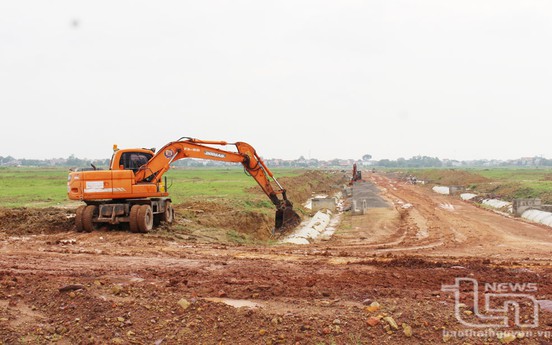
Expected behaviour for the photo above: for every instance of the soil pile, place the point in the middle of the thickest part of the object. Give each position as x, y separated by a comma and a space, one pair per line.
300, 188
20, 221
451, 177
218, 214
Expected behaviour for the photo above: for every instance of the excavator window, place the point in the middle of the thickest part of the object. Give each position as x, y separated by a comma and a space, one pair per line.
134, 160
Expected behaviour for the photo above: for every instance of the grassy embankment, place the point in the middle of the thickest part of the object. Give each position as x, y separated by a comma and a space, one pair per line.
505, 183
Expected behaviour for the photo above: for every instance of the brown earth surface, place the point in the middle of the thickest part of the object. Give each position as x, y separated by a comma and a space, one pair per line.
449, 177
115, 287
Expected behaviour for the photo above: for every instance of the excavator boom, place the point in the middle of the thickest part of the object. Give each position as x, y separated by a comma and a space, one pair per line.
246, 155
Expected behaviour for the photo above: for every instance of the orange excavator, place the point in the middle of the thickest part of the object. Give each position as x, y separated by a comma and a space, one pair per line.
132, 190
357, 175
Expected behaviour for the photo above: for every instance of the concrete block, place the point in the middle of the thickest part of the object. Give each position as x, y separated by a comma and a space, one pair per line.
547, 208
521, 205
347, 191
453, 190
467, 196
323, 203
441, 190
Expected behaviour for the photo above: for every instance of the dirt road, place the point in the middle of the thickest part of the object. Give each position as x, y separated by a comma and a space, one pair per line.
124, 288
430, 224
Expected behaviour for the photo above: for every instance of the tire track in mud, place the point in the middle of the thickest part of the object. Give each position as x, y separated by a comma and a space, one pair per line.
463, 228
421, 222
396, 228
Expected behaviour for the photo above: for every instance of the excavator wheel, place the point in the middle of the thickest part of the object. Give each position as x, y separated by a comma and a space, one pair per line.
88, 215
145, 218
78, 218
168, 216
133, 221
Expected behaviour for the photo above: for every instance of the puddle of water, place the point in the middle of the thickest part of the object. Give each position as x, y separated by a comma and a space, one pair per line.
236, 303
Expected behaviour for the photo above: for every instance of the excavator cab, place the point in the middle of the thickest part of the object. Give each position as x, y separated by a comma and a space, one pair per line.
130, 159
134, 160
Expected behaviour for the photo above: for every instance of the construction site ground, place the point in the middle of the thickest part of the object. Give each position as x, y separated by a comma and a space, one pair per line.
116, 287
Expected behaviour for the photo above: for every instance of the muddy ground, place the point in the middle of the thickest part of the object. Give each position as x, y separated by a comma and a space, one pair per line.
57, 285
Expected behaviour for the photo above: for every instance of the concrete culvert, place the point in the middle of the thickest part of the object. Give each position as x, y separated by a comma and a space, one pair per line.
441, 190
538, 216
311, 230
467, 196
495, 203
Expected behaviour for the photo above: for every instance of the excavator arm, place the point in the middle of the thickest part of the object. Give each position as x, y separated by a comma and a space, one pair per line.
155, 168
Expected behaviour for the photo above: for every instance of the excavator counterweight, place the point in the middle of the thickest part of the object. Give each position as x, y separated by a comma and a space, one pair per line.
132, 190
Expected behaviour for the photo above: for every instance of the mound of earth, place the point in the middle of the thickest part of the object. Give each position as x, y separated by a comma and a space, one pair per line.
450, 177
21, 221
301, 187
218, 214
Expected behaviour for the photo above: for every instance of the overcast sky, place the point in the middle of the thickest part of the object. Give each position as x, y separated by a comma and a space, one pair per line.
323, 79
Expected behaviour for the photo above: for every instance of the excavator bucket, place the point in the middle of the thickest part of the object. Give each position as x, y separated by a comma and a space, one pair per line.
286, 219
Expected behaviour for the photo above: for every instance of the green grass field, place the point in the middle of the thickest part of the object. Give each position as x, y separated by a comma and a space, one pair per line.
44, 187
520, 183
37, 187
515, 174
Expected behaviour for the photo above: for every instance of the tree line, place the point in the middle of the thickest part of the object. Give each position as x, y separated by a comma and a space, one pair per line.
413, 162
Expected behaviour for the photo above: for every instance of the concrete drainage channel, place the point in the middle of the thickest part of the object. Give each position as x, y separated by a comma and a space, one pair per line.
529, 209
324, 222
329, 210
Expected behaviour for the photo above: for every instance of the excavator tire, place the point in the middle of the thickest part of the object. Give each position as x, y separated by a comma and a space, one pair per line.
78, 218
88, 215
145, 218
133, 221
168, 215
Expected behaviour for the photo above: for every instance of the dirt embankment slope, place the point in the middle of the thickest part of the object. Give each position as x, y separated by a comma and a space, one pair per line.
450, 177
504, 184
